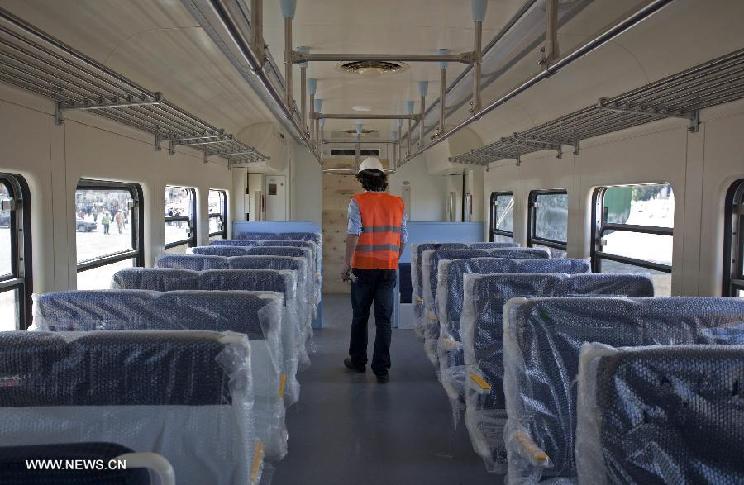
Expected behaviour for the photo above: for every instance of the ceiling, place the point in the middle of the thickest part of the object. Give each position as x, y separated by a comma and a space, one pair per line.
373, 27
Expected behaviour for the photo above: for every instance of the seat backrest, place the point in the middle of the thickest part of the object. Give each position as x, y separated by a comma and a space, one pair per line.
256, 314
165, 279
417, 252
430, 265
450, 280
493, 245
542, 339
196, 262
291, 236
219, 250
682, 405
155, 279
185, 395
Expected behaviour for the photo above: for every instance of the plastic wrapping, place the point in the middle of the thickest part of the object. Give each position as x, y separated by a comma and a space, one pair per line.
218, 250
493, 245
255, 314
187, 396
282, 281
450, 294
661, 414
542, 339
192, 262
430, 264
481, 325
417, 251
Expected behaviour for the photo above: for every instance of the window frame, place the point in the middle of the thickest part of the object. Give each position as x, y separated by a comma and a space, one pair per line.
136, 216
733, 240
532, 238
492, 230
599, 226
222, 214
191, 221
21, 276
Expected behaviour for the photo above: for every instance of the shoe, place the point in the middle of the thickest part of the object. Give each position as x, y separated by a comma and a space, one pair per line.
351, 366
383, 378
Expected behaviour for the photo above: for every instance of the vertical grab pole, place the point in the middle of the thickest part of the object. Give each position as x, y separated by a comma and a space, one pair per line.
399, 130
479, 15
303, 89
288, 11
409, 110
442, 90
423, 88
318, 102
312, 88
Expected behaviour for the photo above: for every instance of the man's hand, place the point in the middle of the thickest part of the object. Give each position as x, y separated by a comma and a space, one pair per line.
346, 274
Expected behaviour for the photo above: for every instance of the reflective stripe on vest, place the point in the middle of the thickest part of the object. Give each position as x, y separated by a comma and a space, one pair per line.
382, 219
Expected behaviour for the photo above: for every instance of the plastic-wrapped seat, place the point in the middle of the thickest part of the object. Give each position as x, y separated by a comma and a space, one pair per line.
663, 414
481, 325
219, 250
185, 395
417, 251
255, 314
542, 339
192, 262
281, 281
431, 261
493, 245
450, 296
126, 467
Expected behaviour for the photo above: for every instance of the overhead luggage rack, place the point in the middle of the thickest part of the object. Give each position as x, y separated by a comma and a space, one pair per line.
681, 95
37, 62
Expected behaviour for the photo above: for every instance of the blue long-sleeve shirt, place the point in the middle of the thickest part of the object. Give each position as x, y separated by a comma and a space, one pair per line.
354, 228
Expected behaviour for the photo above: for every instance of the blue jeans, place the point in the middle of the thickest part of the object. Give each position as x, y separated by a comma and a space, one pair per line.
372, 286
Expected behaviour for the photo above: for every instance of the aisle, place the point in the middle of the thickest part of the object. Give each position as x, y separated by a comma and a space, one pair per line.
348, 429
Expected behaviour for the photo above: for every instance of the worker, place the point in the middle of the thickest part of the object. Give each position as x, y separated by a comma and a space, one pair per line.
376, 237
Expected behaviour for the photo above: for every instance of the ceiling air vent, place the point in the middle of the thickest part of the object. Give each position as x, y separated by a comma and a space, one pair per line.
372, 68
352, 152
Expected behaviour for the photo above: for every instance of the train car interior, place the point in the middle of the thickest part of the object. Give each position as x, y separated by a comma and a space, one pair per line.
311, 242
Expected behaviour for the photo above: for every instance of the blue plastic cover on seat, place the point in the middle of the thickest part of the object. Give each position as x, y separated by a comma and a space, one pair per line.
542, 339
493, 245
417, 251
186, 395
481, 325
14, 469
662, 414
220, 250
192, 262
156, 279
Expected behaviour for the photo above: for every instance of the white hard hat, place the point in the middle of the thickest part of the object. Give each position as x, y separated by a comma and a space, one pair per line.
371, 163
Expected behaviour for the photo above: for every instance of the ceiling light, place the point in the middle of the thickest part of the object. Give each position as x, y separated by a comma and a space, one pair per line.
372, 68
361, 109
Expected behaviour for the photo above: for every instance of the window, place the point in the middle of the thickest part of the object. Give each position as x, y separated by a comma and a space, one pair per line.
180, 219
502, 217
633, 227
733, 265
15, 253
108, 231
548, 220
217, 202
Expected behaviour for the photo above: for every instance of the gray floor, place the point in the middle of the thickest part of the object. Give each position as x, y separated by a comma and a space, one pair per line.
348, 429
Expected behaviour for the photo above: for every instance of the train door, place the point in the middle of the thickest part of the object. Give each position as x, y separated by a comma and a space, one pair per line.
276, 198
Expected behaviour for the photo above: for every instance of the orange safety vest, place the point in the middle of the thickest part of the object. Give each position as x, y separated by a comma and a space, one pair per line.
379, 243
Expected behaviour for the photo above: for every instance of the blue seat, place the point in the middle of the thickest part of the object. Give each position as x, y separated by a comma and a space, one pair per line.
184, 395
220, 250
664, 414
542, 339
493, 245
450, 298
192, 262
255, 314
481, 325
280, 281
417, 252
15, 471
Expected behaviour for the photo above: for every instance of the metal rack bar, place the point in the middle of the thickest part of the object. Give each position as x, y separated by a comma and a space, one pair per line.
35, 61
684, 94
